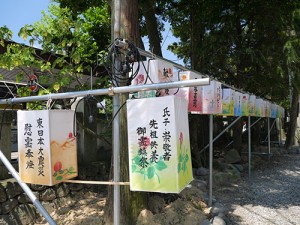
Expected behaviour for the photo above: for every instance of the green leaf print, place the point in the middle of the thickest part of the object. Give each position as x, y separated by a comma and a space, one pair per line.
151, 172
161, 165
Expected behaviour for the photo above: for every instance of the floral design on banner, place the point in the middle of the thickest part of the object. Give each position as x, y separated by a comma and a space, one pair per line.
183, 156
149, 168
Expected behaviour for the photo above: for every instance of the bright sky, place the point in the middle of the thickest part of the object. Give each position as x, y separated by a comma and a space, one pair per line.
16, 13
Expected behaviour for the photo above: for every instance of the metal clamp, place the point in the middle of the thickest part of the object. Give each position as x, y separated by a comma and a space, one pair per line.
111, 91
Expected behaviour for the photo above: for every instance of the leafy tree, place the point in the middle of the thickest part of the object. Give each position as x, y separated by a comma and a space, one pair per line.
70, 47
238, 42
292, 52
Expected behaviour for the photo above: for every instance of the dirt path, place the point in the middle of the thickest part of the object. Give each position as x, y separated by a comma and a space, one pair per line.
270, 196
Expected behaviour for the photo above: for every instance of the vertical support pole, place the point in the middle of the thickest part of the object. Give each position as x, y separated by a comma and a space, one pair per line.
249, 146
269, 139
116, 153
116, 123
210, 158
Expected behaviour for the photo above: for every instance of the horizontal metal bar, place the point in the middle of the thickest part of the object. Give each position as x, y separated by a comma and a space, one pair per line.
110, 91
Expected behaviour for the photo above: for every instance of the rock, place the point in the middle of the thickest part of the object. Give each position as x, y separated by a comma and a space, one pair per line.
232, 156
37, 187
62, 190
239, 167
49, 207
13, 189
146, 218
3, 196
9, 205
156, 204
202, 171
47, 195
217, 209
200, 184
76, 187
205, 222
5, 220
192, 194
23, 198
24, 214
217, 221
181, 212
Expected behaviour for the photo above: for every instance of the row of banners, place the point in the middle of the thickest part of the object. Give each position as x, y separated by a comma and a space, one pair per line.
209, 99
158, 139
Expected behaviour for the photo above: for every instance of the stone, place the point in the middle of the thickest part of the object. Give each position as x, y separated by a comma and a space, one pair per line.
217, 221
49, 207
24, 214
23, 198
3, 196
37, 187
147, 218
202, 171
13, 189
192, 194
200, 184
239, 167
217, 209
76, 187
205, 222
48, 194
232, 156
156, 204
9, 205
5, 220
62, 190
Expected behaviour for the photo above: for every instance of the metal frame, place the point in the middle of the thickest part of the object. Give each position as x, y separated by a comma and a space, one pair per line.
108, 91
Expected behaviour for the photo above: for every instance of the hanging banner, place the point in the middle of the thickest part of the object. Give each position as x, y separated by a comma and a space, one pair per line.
259, 105
267, 109
212, 98
159, 145
160, 72
237, 104
192, 94
273, 110
251, 105
47, 146
228, 102
245, 106
141, 77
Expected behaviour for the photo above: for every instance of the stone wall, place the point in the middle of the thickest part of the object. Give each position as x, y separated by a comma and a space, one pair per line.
16, 208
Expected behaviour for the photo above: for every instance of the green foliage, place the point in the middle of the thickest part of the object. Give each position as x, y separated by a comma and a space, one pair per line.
70, 46
239, 42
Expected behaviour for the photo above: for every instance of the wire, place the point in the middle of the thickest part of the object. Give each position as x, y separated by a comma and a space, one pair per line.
119, 61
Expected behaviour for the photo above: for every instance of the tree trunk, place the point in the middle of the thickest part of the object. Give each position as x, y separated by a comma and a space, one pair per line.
148, 9
131, 203
293, 119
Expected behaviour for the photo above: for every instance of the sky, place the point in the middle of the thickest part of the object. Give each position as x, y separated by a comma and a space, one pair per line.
16, 13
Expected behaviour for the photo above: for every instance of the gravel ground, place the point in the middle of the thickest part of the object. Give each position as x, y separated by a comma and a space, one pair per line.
270, 196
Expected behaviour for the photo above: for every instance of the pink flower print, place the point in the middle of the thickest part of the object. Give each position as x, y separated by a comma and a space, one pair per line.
181, 138
144, 142
140, 79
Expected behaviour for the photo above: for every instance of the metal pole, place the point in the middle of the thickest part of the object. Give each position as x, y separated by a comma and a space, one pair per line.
116, 122
109, 91
269, 138
26, 189
249, 146
211, 118
219, 135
